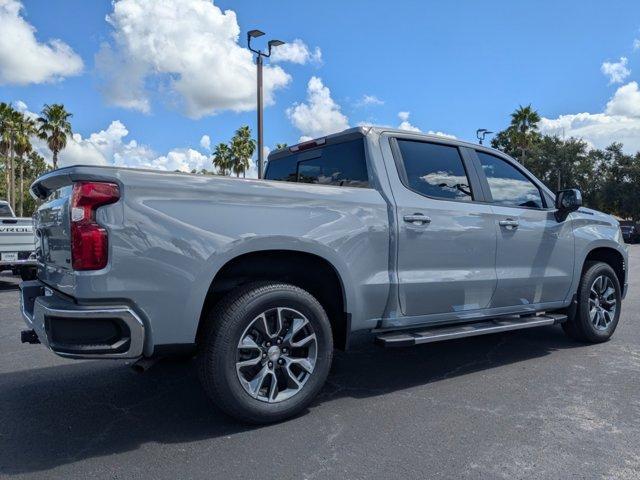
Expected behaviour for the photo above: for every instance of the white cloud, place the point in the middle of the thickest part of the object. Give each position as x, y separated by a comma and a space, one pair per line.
320, 115
296, 52
405, 124
626, 101
369, 100
636, 44
24, 60
205, 142
110, 147
616, 71
185, 50
620, 122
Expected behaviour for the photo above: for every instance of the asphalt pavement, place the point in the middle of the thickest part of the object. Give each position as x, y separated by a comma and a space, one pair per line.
528, 404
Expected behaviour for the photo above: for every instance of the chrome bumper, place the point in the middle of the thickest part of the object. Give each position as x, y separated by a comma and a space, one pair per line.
41, 308
19, 263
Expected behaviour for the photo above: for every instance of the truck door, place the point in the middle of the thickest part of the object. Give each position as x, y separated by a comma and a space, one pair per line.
535, 254
446, 237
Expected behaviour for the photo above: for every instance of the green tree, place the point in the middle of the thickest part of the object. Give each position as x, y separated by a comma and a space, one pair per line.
524, 130
25, 130
222, 158
55, 127
8, 123
34, 166
280, 146
242, 149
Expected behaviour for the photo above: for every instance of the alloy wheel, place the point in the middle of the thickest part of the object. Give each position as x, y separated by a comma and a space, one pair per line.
276, 354
602, 302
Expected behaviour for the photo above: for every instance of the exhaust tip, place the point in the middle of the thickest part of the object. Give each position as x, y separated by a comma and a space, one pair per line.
144, 364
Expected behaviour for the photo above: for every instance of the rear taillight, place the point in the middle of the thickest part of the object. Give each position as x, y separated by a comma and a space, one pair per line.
89, 241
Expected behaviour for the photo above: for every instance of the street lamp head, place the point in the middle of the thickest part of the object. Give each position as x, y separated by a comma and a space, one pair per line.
275, 43
255, 33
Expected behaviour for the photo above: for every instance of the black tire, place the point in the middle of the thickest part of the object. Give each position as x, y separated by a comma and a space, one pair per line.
218, 350
579, 325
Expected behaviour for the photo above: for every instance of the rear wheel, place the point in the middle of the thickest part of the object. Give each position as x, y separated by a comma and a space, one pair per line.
598, 310
265, 352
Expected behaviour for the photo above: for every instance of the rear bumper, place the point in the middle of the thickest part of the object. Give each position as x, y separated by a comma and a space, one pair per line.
78, 331
19, 263
25, 259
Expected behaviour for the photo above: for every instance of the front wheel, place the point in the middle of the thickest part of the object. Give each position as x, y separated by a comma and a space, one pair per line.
265, 352
598, 310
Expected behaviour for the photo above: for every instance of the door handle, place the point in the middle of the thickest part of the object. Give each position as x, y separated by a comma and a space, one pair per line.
509, 223
417, 219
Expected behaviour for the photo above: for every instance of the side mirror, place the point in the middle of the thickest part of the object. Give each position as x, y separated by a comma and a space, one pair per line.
567, 201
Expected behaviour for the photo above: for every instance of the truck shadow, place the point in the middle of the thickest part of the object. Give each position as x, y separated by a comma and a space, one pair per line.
63, 414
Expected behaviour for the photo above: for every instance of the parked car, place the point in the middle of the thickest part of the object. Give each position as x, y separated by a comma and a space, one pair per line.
413, 238
16, 243
630, 232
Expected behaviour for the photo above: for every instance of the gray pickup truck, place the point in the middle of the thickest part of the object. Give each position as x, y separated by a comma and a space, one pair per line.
409, 237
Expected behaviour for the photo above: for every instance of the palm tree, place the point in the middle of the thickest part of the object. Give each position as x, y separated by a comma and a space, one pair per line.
242, 149
523, 129
10, 120
55, 128
25, 129
222, 158
6, 147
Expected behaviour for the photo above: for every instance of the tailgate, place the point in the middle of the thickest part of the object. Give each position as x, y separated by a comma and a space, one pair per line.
53, 232
16, 235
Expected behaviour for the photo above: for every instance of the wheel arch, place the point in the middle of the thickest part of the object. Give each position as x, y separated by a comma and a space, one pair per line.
292, 266
610, 256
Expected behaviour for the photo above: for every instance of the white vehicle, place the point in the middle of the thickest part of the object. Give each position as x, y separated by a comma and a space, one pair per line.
17, 243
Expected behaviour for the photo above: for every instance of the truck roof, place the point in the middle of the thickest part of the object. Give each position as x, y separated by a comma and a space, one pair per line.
366, 130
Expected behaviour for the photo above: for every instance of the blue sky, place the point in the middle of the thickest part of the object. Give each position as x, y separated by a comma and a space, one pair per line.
454, 66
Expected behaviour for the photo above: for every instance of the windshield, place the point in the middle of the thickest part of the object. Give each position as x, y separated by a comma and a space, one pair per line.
5, 211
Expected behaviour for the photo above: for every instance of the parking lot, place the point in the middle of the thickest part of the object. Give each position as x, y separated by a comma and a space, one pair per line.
529, 404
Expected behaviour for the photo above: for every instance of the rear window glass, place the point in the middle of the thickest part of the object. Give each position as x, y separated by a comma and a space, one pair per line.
341, 164
5, 211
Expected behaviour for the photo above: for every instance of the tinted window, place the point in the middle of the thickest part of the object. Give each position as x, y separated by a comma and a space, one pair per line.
508, 185
5, 211
338, 164
435, 170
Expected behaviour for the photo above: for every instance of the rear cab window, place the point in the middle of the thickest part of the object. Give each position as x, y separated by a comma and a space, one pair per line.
5, 211
342, 164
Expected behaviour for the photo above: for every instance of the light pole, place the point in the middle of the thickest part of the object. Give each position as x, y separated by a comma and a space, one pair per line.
259, 56
481, 133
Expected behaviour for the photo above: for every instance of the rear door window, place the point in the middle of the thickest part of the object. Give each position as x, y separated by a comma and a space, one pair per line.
341, 164
435, 170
